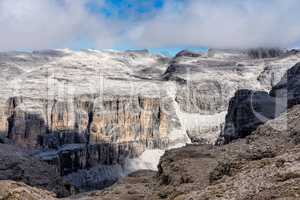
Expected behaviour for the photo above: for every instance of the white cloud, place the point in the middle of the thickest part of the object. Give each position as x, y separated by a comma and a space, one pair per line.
222, 24
40, 24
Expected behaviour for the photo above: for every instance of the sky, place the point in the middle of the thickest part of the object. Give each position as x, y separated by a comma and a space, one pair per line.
165, 26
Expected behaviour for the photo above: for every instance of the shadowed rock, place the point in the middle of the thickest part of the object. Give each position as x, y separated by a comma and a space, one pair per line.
261, 53
247, 110
187, 53
16, 164
288, 89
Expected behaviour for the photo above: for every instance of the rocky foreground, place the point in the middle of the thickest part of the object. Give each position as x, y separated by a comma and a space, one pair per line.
55, 147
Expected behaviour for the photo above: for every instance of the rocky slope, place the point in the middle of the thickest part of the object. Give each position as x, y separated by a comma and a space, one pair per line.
264, 165
10, 190
15, 164
95, 114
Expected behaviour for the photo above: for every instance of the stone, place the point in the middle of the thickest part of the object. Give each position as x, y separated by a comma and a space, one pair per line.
288, 89
17, 165
262, 165
10, 190
247, 110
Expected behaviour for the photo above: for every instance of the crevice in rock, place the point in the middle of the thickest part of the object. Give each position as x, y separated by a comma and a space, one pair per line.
12, 102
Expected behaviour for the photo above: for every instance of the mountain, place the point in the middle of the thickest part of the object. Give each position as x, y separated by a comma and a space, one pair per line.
97, 116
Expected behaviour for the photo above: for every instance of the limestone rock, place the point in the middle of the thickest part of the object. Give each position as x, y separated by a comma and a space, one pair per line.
70, 107
61, 92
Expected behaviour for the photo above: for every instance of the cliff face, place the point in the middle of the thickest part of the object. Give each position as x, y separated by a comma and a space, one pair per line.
249, 109
118, 120
83, 111
61, 97
264, 165
287, 90
126, 119
97, 116
79, 111
207, 82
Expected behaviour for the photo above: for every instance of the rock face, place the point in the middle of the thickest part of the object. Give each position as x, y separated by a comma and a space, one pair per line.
94, 123
265, 53
288, 88
264, 165
78, 110
82, 110
248, 109
205, 84
48, 95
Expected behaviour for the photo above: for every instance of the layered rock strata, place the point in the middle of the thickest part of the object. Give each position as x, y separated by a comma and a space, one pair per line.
78, 110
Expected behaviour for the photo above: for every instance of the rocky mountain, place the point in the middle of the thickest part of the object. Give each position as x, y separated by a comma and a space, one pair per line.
261, 163
96, 116
205, 85
249, 109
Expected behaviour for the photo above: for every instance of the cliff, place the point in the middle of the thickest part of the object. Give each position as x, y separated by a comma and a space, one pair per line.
263, 165
89, 110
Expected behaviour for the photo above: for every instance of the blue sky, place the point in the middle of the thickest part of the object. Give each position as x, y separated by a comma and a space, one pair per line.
163, 26
121, 8
133, 10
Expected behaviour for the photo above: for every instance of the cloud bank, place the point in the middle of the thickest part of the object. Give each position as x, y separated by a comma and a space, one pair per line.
40, 24
222, 24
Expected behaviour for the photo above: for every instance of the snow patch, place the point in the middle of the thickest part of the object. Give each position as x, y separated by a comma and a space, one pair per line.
149, 160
